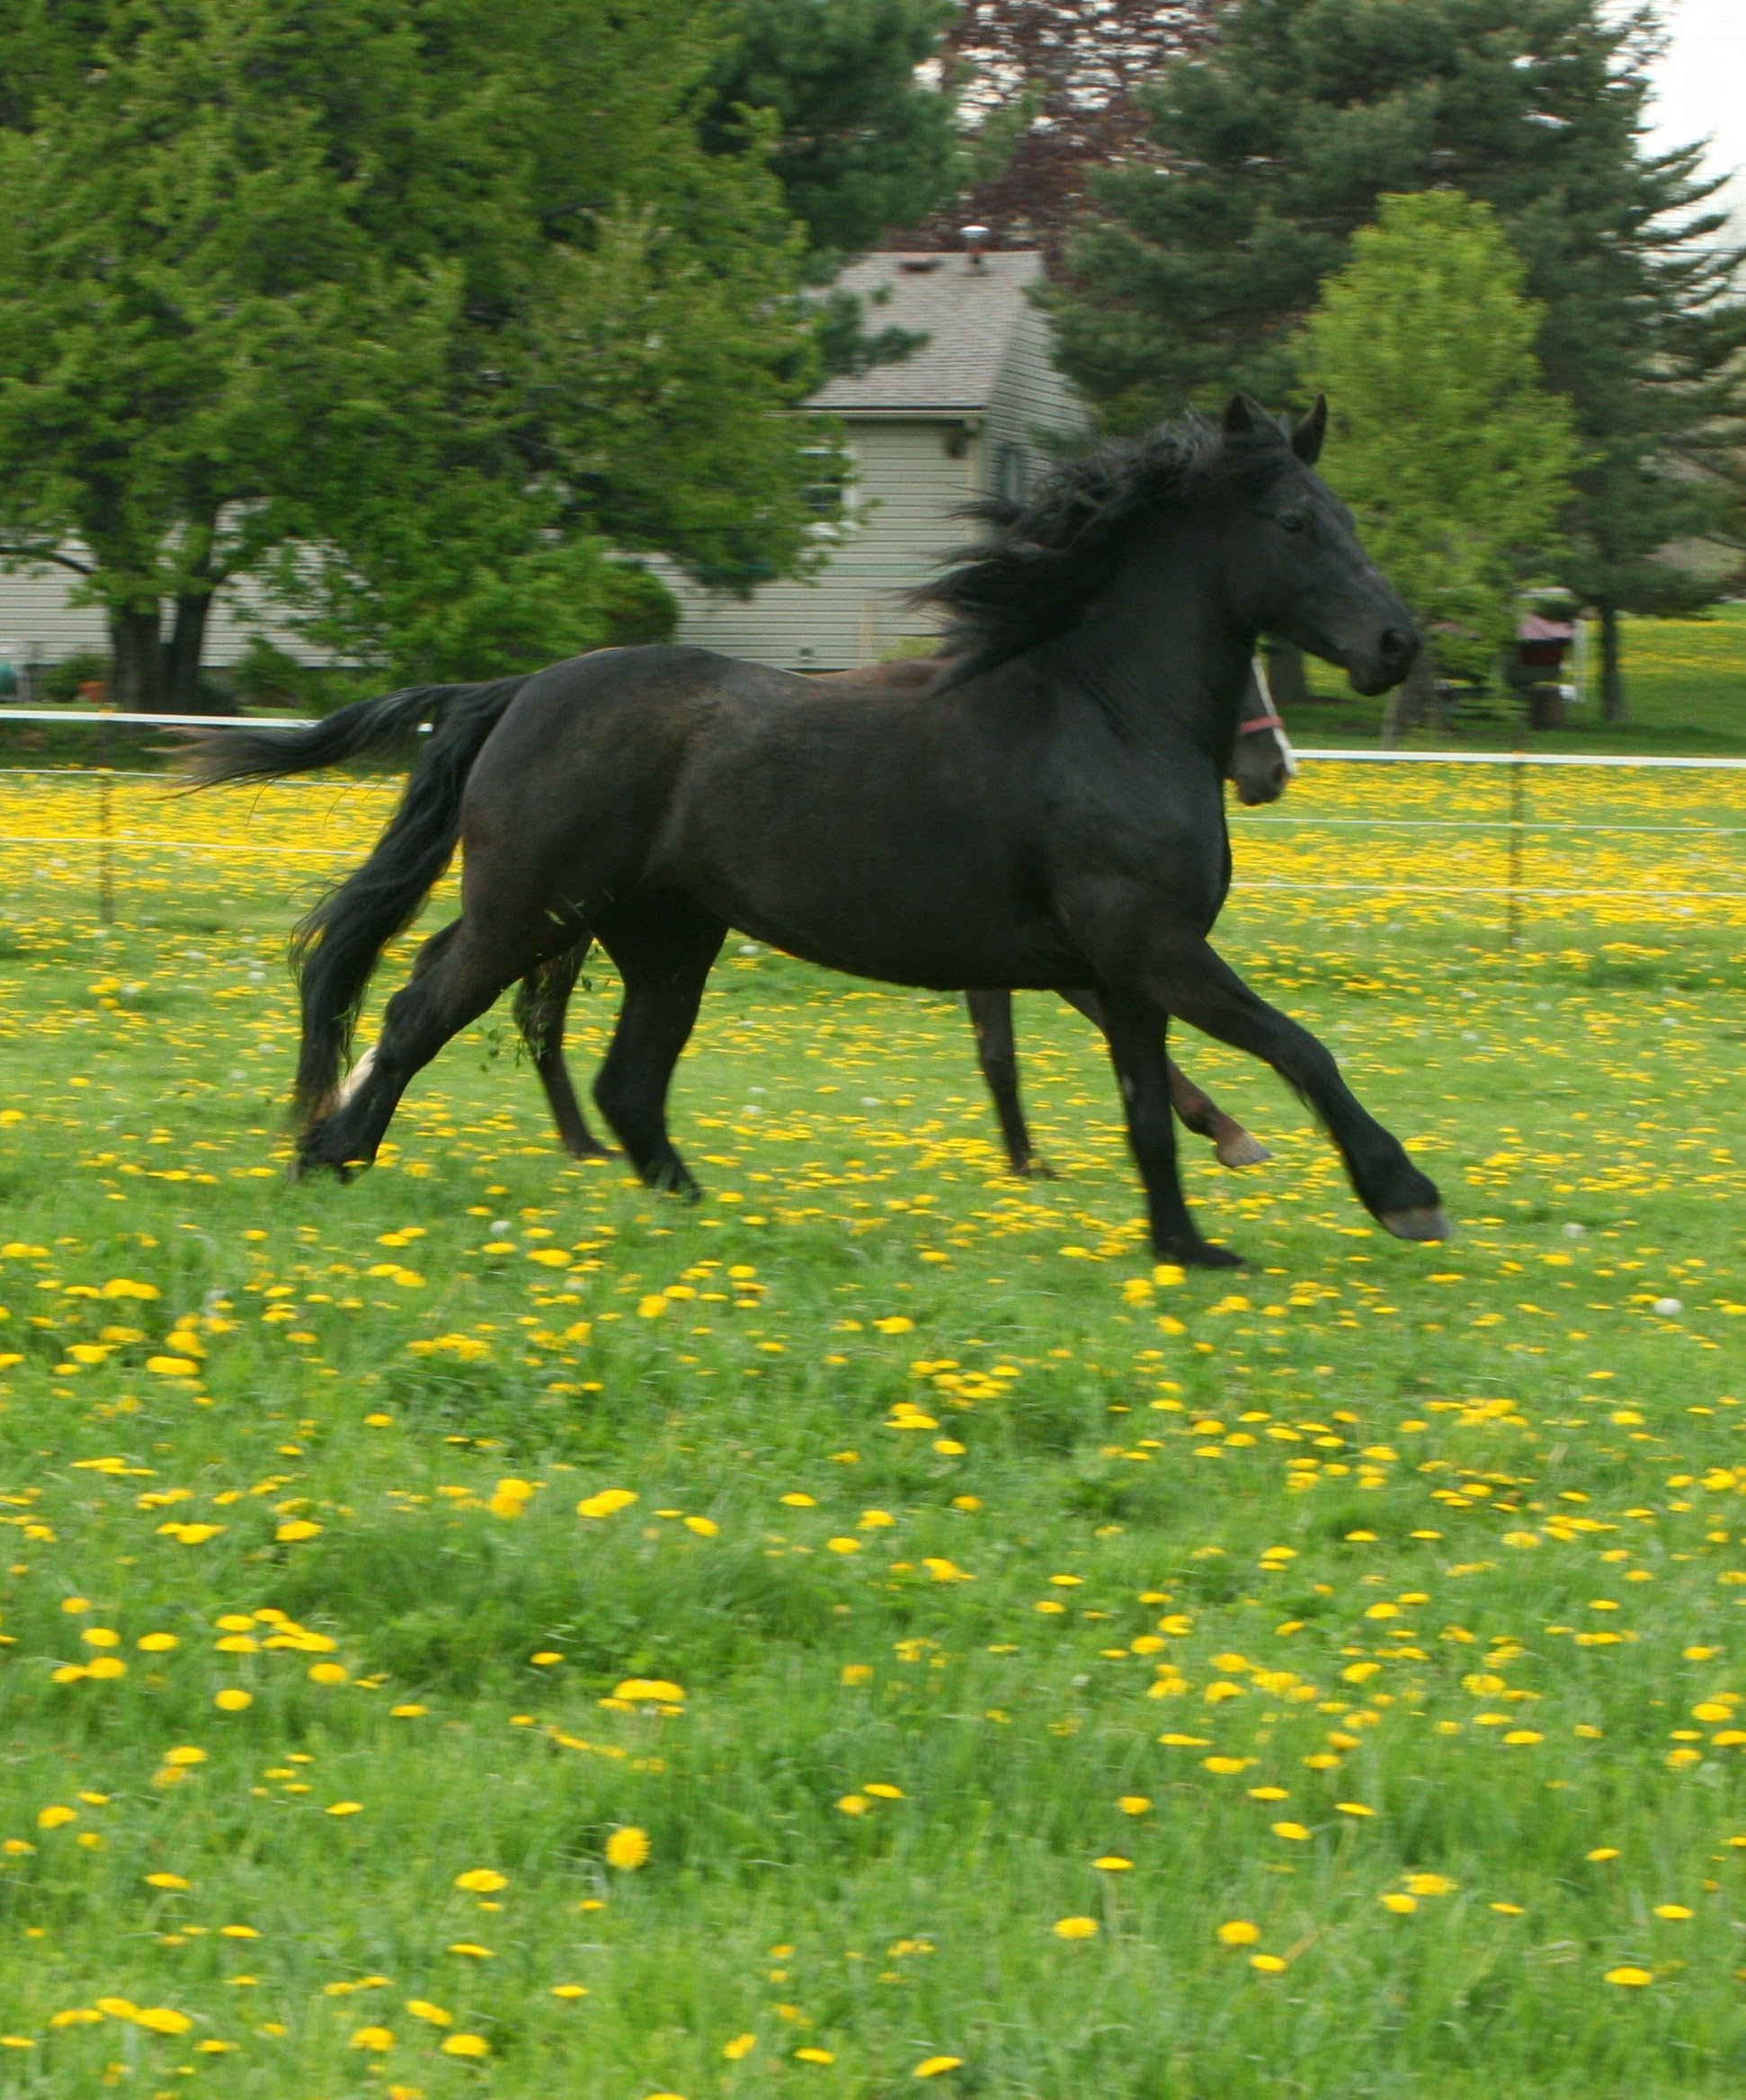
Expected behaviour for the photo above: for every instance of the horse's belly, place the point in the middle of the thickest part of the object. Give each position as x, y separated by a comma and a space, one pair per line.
1037, 956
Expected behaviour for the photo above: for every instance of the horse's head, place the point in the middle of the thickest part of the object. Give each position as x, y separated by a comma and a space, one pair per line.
1294, 565
1262, 761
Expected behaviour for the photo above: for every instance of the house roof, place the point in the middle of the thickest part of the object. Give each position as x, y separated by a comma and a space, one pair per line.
969, 312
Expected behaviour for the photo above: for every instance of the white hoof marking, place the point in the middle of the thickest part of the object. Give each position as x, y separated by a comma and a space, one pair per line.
354, 1080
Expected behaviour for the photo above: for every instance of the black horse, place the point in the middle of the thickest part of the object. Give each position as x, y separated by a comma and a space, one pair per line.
1050, 815
1261, 769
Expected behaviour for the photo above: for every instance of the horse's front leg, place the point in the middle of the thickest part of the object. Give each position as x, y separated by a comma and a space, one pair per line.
1198, 985
1133, 1025
1232, 1145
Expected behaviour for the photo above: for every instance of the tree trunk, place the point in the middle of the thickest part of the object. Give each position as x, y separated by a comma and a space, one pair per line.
1410, 703
137, 686
1288, 676
1612, 673
183, 651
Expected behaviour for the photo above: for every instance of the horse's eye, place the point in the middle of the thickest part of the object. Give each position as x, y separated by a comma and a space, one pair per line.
1292, 521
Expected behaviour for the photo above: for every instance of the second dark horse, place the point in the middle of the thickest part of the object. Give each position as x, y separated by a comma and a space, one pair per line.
1050, 817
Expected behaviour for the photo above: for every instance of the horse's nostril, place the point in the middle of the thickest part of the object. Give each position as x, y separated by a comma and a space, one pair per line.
1399, 646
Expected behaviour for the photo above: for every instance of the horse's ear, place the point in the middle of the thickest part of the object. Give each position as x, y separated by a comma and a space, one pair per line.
1240, 416
1307, 438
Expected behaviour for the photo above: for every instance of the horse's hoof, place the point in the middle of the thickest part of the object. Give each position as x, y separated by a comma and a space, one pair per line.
1428, 1221
1034, 1170
1241, 1150
1199, 1254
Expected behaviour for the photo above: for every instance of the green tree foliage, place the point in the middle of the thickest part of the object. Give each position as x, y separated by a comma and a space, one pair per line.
1272, 151
442, 298
1447, 445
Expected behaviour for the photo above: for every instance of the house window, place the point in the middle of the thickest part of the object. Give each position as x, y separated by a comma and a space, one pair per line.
1011, 473
829, 499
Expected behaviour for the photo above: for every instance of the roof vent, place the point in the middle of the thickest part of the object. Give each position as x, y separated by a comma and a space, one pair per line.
976, 239
918, 264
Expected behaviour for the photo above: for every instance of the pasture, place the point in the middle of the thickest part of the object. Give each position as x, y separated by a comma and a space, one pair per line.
490, 1631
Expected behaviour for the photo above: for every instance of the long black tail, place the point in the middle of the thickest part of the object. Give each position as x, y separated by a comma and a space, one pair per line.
334, 950
388, 722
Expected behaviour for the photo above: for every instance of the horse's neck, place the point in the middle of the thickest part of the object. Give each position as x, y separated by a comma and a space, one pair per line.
1159, 653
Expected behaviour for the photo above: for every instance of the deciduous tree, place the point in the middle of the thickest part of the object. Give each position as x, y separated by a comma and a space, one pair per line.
445, 298
1447, 445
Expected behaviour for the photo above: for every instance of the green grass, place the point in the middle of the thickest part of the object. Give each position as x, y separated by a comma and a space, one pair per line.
1451, 1535
1685, 693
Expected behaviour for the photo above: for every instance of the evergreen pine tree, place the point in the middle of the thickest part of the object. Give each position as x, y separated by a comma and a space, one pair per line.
862, 109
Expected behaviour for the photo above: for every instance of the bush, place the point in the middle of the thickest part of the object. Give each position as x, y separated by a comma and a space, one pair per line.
58, 684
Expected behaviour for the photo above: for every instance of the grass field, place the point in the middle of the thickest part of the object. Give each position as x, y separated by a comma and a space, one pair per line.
488, 1630
1685, 691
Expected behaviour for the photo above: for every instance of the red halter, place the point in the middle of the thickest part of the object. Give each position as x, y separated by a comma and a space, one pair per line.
1257, 722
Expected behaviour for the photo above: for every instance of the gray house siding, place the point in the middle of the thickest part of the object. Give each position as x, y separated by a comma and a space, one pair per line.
908, 484
1030, 399
959, 419
37, 613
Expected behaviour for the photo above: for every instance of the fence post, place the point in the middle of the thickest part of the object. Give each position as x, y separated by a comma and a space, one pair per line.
1517, 813
105, 812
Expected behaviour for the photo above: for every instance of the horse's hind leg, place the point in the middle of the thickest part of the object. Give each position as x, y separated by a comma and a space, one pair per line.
1232, 1145
459, 976
664, 949
542, 1000
991, 1018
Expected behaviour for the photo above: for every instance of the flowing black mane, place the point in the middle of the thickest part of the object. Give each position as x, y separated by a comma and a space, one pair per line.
1029, 578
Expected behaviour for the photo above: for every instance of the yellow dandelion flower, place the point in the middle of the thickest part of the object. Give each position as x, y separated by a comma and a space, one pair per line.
1239, 1932
1075, 1928
162, 2020
627, 1849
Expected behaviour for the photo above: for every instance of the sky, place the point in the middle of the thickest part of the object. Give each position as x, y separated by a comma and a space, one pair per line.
1702, 85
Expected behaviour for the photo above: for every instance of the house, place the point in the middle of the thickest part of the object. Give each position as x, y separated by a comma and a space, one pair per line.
960, 417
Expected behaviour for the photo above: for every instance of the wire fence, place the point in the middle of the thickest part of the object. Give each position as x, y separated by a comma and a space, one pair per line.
1499, 841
